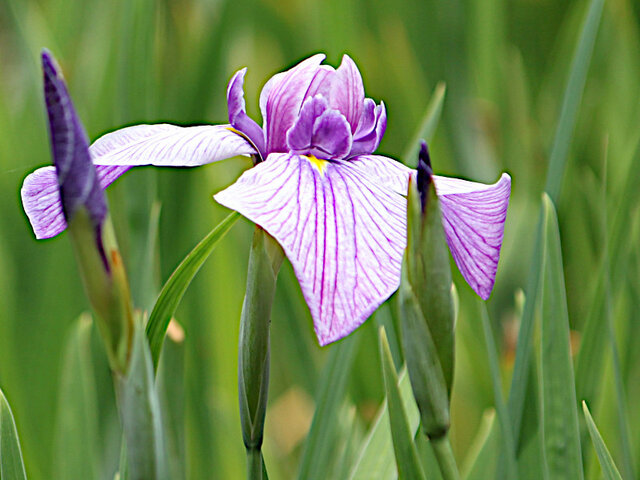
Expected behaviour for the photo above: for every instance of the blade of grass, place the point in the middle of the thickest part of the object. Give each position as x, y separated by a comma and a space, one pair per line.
427, 126
609, 469
480, 462
508, 446
375, 460
11, 464
555, 172
174, 289
319, 447
559, 408
405, 450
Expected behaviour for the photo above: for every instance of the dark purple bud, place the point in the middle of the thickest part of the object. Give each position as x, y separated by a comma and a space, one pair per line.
77, 176
424, 174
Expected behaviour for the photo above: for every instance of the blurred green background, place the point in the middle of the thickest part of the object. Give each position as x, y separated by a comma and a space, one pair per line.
505, 64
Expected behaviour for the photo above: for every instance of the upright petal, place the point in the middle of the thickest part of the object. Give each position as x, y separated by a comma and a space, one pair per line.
285, 97
41, 198
238, 117
347, 92
165, 145
473, 215
344, 234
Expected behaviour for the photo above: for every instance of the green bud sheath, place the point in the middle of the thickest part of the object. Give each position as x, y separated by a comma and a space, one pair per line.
265, 260
427, 311
106, 285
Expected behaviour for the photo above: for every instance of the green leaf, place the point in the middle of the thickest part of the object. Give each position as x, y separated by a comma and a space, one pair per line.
319, 447
376, 459
483, 453
77, 451
555, 173
174, 289
140, 416
609, 469
409, 466
11, 465
559, 407
427, 126
508, 446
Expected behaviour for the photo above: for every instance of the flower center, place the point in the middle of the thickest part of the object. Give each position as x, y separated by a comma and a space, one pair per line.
318, 164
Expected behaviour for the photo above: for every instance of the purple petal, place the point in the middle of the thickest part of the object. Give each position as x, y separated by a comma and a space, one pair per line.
347, 92
384, 171
41, 198
300, 135
238, 117
473, 218
373, 124
165, 145
344, 234
283, 101
76, 176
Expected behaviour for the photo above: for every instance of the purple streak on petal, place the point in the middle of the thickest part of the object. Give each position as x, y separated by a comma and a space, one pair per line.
473, 218
367, 122
344, 234
76, 175
347, 92
384, 171
285, 97
165, 145
41, 198
321, 83
238, 117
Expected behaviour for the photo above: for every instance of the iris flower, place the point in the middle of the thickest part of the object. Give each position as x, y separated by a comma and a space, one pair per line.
337, 209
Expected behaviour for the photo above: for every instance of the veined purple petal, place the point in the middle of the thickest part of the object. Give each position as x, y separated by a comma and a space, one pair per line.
41, 198
76, 176
238, 117
384, 171
343, 233
165, 145
473, 218
282, 104
347, 92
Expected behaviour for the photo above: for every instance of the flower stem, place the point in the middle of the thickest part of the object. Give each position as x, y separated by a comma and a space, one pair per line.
254, 464
444, 455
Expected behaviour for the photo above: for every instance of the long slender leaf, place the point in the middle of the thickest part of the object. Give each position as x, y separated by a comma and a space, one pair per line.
178, 282
609, 469
11, 464
376, 460
559, 408
140, 416
555, 173
77, 450
405, 450
480, 463
333, 383
508, 446
428, 124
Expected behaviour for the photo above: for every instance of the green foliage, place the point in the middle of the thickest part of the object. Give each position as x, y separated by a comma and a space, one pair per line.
609, 468
11, 465
532, 88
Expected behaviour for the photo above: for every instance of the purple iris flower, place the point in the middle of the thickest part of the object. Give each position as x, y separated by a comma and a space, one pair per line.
337, 210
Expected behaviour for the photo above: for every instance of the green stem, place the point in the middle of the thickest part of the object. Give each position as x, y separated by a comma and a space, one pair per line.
254, 464
444, 455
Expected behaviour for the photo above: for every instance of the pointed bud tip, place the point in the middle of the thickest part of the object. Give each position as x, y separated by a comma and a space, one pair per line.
425, 173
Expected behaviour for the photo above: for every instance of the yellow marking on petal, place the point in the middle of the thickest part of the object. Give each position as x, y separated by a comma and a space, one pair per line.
319, 164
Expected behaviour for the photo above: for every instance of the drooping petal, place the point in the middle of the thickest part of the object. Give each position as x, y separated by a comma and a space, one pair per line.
344, 234
384, 171
76, 176
285, 96
473, 217
238, 117
165, 145
347, 92
41, 198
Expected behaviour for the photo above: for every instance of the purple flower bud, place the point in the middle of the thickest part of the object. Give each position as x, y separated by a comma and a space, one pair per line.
77, 177
425, 174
